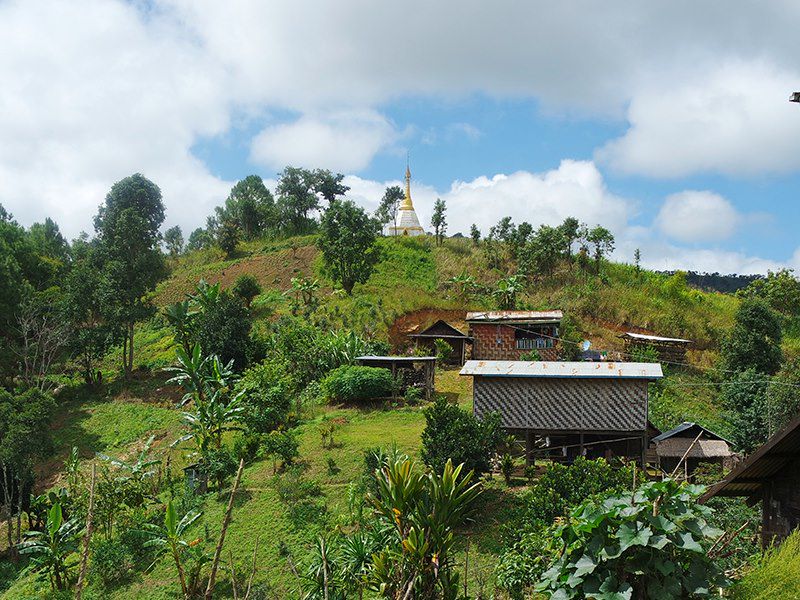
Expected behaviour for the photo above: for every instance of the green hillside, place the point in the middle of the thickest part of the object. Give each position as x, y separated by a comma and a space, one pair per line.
412, 284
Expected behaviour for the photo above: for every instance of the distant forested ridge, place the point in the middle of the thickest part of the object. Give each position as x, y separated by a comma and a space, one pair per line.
715, 282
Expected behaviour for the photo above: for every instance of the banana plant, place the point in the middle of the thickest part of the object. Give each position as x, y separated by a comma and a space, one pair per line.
50, 549
211, 419
139, 470
168, 539
200, 375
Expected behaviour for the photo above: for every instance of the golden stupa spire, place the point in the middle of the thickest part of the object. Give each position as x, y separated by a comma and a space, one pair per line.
407, 204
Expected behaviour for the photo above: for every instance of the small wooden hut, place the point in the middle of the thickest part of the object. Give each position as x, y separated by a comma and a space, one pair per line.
771, 475
669, 447
669, 350
441, 330
411, 371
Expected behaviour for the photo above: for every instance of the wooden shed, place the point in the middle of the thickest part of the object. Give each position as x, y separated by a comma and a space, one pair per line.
411, 371
669, 350
567, 409
441, 330
703, 446
770, 475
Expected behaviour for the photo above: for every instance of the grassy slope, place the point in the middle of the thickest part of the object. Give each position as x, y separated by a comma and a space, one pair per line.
410, 277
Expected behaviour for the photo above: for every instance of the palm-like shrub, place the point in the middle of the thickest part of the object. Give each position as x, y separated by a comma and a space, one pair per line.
50, 549
420, 512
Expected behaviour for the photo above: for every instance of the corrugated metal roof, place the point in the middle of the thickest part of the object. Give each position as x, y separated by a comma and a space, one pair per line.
603, 370
653, 338
748, 477
514, 316
685, 427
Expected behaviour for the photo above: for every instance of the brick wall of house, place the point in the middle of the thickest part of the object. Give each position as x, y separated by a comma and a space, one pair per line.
498, 342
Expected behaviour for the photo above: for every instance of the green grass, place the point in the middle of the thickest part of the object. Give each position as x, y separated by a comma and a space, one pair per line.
775, 575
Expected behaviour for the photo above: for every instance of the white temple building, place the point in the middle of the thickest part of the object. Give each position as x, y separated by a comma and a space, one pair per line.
407, 221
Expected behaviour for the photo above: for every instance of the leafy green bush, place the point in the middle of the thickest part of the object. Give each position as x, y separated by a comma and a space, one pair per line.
283, 446
443, 349
453, 434
268, 388
774, 575
561, 487
112, 561
528, 544
355, 383
223, 328
246, 288
648, 544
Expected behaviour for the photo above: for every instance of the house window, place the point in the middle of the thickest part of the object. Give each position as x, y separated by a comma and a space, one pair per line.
535, 337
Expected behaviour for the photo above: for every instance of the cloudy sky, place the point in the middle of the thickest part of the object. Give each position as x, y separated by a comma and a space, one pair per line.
668, 121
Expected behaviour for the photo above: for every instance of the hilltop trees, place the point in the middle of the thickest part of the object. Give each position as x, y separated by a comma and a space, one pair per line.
173, 239
390, 204
347, 241
603, 241
299, 191
127, 227
439, 220
250, 206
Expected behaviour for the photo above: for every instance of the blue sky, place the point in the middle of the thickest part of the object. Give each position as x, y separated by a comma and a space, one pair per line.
666, 121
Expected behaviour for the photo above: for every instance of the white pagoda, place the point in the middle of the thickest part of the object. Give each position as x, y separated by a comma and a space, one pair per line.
407, 221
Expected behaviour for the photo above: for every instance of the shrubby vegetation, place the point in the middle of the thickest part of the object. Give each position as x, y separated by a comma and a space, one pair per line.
350, 383
453, 434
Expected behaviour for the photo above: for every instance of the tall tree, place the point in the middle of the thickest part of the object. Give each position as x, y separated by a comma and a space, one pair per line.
438, 220
329, 185
251, 206
227, 237
85, 293
347, 240
603, 241
173, 239
199, 239
755, 340
127, 227
542, 253
475, 234
390, 204
297, 197
569, 229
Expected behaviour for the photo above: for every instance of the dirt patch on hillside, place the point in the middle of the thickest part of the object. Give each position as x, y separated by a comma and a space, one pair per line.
273, 271
416, 321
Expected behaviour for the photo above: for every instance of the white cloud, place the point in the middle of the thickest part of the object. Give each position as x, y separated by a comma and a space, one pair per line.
94, 90
732, 119
344, 141
697, 216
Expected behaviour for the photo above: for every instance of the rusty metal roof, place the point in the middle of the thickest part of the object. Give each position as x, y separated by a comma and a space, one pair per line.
757, 469
515, 316
585, 370
653, 338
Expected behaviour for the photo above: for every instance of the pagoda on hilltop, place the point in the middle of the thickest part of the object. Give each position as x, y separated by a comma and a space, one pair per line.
407, 221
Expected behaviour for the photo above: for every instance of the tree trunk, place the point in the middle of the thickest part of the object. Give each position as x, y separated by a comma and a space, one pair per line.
225, 522
130, 353
87, 539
